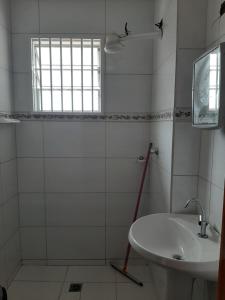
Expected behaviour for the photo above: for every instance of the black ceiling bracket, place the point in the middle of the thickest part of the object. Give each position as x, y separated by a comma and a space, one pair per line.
160, 25
222, 9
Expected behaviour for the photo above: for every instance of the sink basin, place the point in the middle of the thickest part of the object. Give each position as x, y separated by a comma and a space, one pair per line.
172, 241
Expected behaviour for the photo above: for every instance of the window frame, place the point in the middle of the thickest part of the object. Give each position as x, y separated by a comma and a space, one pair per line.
102, 71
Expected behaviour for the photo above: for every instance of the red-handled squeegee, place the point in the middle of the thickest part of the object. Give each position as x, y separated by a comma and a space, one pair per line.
123, 270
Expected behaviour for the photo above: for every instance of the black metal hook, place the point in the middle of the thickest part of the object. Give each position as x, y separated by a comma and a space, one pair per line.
126, 29
160, 24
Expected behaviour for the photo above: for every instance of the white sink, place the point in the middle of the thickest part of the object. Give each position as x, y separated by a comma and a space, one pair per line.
166, 238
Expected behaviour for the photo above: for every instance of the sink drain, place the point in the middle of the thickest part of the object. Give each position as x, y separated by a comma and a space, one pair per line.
177, 257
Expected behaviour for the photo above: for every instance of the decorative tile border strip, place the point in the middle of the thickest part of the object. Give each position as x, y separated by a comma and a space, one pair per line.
179, 114
183, 114
145, 117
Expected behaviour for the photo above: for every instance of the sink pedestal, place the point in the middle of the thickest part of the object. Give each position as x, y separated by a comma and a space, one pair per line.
170, 284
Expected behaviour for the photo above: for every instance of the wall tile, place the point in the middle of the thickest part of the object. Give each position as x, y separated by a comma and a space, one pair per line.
124, 203
127, 139
117, 240
216, 206
135, 58
218, 167
163, 98
213, 22
68, 16
184, 188
5, 57
32, 209
5, 13
128, 93
6, 91
206, 154
3, 279
9, 179
12, 256
76, 243
204, 194
7, 143
186, 149
165, 47
2, 227
21, 52
33, 243
30, 175
71, 209
71, 139
75, 175
192, 33
23, 97
29, 138
24, 14
139, 15
124, 175
160, 186
161, 134
11, 219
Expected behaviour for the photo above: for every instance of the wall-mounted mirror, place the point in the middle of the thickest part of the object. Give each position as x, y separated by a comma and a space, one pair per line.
208, 89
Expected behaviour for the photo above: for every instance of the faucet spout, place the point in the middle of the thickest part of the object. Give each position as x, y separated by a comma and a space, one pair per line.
202, 218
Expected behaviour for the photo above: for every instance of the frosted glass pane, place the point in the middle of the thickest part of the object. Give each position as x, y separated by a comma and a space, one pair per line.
46, 78
45, 56
77, 53
77, 78
66, 78
56, 79
46, 100
87, 82
96, 101
67, 101
213, 79
87, 101
96, 79
96, 57
57, 103
212, 100
66, 53
55, 56
87, 56
77, 101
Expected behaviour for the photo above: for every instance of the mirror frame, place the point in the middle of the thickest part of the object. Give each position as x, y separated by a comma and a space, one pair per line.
221, 109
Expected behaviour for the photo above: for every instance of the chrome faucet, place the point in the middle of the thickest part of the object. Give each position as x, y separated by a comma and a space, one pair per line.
202, 217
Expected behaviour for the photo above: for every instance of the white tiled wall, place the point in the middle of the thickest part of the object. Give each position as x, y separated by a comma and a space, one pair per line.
78, 189
78, 181
9, 216
212, 162
163, 94
190, 45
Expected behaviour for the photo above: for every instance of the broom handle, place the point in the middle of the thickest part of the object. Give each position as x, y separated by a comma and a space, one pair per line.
138, 203
221, 276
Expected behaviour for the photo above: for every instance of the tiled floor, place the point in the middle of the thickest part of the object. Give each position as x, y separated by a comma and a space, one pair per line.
99, 283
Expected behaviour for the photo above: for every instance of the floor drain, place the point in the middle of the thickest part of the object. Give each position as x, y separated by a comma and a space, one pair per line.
75, 287
177, 257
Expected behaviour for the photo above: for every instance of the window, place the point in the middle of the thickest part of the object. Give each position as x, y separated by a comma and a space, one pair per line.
66, 75
214, 81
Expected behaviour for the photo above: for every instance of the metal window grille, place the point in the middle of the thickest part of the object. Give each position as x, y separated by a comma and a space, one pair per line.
66, 75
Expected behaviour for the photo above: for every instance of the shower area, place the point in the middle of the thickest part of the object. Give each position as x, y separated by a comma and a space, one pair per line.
69, 170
